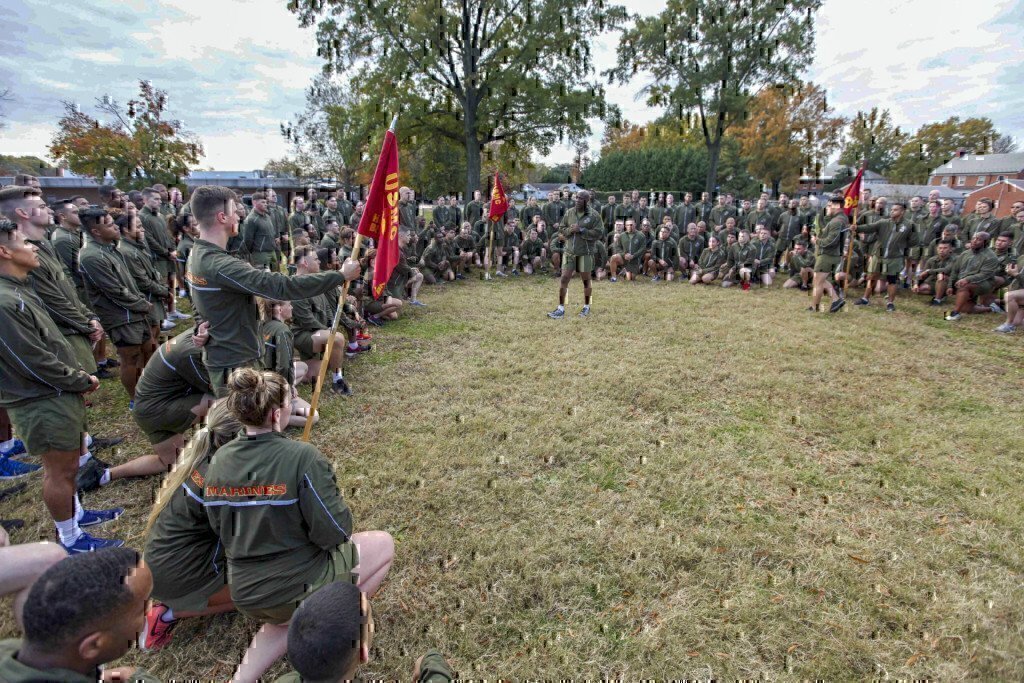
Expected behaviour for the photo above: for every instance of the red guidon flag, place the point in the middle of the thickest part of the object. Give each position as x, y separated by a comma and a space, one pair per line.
852, 197
380, 216
499, 202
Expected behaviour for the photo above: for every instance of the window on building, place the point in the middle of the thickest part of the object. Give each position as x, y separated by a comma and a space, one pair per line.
1002, 177
945, 180
961, 180
981, 180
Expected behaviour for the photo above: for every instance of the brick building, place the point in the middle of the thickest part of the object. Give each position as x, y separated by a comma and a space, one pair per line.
1003, 192
969, 172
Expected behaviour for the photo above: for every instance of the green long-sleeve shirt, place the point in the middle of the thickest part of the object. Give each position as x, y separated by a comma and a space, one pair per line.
632, 243
279, 348
57, 292
936, 266
893, 239
275, 505
160, 242
150, 284
35, 359
742, 255
665, 250
591, 229
259, 234
830, 239
66, 244
110, 286
14, 671
312, 314
433, 256
174, 371
976, 267
224, 290
691, 248
711, 260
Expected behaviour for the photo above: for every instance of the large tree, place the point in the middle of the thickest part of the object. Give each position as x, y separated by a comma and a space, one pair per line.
5, 97
873, 138
787, 132
707, 59
137, 145
936, 143
472, 71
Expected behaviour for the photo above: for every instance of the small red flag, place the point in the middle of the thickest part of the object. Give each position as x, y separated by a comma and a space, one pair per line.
852, 197
380, 216
499, 202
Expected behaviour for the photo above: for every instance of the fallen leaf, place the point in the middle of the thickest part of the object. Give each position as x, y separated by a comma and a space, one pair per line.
858, 559
792, 647
777, 599
913, 659
693, 654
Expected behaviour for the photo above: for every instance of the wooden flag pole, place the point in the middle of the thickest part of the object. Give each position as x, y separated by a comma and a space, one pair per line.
325, 363
853, 233
490, 252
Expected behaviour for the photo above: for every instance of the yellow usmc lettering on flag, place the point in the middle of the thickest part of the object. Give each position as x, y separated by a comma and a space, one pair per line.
391, 187
850, 202
495, 195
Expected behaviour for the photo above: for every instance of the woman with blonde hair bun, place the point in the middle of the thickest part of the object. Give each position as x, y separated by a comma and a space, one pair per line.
286, 530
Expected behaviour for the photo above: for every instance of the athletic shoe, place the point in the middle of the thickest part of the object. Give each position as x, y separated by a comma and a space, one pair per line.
861, 302
359, 349
89, 474
375, 321
97, 517
99, 443
15, 469
111, 363
12, 447
158, 632
417, 302
1006, 328
557, 314
953, 317
500, 273
178, 315
340, 386
745, 286
182, 294
88, 544
585, 311
613, 279
836, 305
890, 307
103, 373
167, 325
11, 524
812, 309
996, 308
363, 336
935, 302
515, 273
460, 276
655, 278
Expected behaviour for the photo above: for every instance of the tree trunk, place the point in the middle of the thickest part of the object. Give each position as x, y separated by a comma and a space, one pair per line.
775, 188
714, 153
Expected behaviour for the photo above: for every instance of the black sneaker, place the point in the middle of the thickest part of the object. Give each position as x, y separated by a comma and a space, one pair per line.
936, 302
111, 363
103, 373
341, 387
836, 305
89, 474
890, 307
99, 443
861, 302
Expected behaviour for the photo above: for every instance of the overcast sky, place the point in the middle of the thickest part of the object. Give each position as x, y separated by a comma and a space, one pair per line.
235, 69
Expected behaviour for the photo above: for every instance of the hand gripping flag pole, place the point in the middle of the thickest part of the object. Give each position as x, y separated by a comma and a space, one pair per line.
380, 223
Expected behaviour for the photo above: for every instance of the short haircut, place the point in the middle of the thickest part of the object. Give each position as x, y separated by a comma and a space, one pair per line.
899, 203
988, 202
257, 196
208, 200
1005, 234
124, 222
136, 197
76, 594
13, 197
149, 192
7, 229
303, 252
91, 217
347, 232
325, 631
948, 243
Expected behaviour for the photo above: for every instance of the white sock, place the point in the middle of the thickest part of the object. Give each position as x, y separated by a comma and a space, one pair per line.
78, 509
338, 375
168, 616
88, 440
561, 307
68, 531
7, 444
84, 458
352, 346
105, 478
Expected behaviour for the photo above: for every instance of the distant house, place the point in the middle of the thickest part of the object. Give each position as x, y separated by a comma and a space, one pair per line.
1003, 192
247, 182
814, 183
894, 191
968, 172
63, 187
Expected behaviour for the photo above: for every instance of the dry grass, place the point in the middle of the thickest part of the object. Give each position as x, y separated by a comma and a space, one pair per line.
693, 482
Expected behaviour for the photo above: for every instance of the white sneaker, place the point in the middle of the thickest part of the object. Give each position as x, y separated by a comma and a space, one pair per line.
167, 326
1006, 328
178, 315
182, 294
996, 308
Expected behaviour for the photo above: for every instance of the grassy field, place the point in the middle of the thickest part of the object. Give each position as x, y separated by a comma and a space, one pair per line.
691, 483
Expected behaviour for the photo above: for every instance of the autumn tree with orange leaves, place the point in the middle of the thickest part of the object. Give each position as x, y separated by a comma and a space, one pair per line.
789, 131
137, 144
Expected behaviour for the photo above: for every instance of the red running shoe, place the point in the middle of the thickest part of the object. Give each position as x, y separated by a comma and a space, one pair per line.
158, 632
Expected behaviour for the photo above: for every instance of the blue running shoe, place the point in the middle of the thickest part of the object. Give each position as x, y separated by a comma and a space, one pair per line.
88, 544
96, 517
15, 469
12, 447
557, 314
417, 302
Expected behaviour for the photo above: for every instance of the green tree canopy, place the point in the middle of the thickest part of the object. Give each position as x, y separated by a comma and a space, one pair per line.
936, 143
709, 57
872, 137
471, 71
